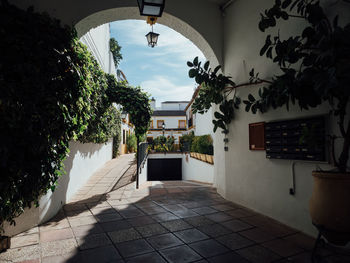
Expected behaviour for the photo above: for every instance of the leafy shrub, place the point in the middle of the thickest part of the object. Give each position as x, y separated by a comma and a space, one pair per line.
131, 142
163, 144
203, 144
186, 141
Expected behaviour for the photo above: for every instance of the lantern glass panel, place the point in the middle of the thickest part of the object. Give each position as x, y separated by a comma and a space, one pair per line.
151, 10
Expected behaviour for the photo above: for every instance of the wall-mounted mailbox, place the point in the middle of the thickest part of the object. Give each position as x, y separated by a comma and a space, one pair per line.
302, 139
257, 136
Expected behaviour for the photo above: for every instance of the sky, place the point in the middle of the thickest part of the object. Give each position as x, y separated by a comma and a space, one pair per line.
161, 71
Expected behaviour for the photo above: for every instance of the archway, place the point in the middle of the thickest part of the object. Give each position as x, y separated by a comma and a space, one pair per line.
123, 13
199, 21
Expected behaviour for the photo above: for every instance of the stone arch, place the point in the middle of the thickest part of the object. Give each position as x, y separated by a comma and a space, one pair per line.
124, 13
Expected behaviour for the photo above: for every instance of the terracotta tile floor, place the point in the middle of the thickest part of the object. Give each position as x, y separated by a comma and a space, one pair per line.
161, 222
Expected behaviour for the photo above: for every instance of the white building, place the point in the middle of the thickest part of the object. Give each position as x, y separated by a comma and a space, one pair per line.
172, 114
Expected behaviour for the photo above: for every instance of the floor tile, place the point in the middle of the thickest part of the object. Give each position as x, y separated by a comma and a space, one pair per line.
185, 213
240, 213
81, 221
204, 210
191, 235
176, 225
181, 254
301, 240
162, 217
130, 213
105, 254
26, 240
258, 235
60, 247
258, 254
153, 257
223, 207
199, 221
58, 234
21, 254
214, 230
52, 225
282, 247
87, 230
115, 225
134, 248
151, 230
102, 218
219, 217
153, 210
164, 241
234, 241
230, 257
141, 221
124, 235
93, 241
208, 248
236, 225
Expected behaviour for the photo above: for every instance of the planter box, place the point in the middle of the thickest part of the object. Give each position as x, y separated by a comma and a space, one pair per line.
202, 157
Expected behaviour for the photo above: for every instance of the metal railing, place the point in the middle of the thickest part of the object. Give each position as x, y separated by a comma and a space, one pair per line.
141, 158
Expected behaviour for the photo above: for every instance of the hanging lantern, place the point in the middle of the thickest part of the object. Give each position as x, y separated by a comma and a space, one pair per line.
152, 38
151, 7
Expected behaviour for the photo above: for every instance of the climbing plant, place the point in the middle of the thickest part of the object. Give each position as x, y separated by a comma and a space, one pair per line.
315, 66
133, 100
214, 89
52, 91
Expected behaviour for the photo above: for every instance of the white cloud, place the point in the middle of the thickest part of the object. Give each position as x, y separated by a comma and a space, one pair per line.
170, 42
162, 89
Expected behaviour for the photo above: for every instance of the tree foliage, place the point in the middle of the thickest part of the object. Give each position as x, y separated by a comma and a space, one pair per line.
52, 91
213, 90
116, 51
134, 101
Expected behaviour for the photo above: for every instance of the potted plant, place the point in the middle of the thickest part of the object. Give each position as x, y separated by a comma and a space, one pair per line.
205, 147
315, 69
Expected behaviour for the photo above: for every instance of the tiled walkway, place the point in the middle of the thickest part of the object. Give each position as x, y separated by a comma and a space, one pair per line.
162, 222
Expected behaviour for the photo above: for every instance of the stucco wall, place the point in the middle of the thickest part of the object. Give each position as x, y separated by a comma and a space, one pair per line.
251, 179
171, 122
82, 162
195, 170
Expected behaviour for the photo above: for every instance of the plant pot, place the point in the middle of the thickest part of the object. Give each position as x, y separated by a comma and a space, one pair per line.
329, 205
209, 158
5, 243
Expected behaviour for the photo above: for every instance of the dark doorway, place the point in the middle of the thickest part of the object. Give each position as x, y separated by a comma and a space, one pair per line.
164, 169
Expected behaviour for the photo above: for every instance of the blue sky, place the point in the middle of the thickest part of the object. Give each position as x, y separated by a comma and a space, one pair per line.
161, 71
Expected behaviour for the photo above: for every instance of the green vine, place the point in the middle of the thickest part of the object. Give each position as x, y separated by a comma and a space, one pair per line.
52, 91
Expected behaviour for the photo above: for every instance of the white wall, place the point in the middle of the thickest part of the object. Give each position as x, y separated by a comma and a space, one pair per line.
82, 162
203, 123
195, 170
171, 122
249, 178
97, 41
192, 169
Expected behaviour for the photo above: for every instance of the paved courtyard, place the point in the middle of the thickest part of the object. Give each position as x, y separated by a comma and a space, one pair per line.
174, 221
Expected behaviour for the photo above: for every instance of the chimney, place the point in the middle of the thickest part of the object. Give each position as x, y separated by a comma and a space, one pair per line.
153, 103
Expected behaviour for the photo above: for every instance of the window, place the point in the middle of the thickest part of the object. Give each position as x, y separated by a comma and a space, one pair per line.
160, 124
182, 124
151, 125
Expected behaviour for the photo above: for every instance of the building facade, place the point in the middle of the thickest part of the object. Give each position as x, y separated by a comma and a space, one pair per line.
168, 120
